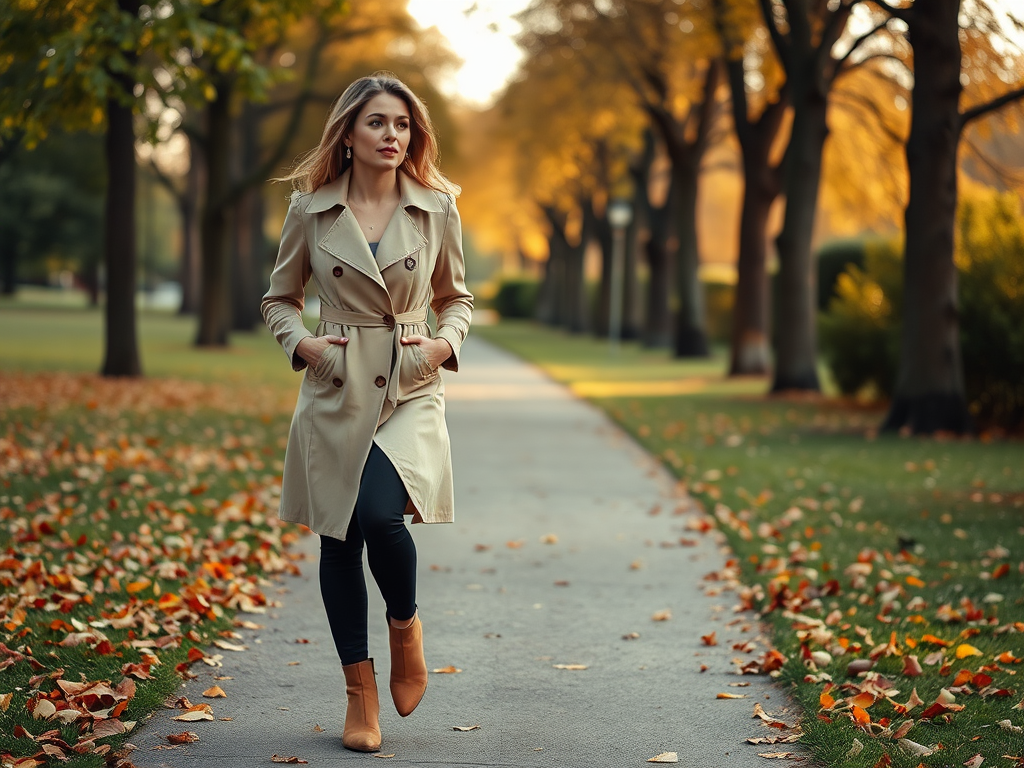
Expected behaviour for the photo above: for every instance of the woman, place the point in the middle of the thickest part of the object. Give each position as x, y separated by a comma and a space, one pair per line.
374, 224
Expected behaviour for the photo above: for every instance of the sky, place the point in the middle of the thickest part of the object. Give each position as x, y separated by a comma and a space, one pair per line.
480, 32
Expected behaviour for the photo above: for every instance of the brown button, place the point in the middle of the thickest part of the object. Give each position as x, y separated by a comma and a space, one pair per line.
380, 381
337, 382
389, 321
338, 271
410, 263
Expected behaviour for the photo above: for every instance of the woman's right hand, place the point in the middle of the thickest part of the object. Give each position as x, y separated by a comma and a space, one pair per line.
311, 349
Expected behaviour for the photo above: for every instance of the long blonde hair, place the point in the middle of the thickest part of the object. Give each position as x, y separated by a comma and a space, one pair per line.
326, 162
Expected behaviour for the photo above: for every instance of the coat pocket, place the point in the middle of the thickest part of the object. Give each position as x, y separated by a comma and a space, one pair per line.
415, 371
329, 365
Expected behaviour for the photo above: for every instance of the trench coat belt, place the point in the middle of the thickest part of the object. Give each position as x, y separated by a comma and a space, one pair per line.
366, 320
330, 314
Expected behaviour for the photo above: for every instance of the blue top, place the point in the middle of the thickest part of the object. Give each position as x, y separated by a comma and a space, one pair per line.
373, 247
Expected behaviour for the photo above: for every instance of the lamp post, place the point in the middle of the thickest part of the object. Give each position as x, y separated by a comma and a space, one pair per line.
620, 214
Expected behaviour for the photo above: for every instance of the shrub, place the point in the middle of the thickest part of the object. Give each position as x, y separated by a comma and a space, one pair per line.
516, 297
990, 259
833, 258
718, 303
860, 332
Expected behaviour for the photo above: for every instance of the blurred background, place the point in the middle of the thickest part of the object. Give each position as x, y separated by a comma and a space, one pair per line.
799, 195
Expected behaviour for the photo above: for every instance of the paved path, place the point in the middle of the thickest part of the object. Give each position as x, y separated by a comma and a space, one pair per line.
505, 607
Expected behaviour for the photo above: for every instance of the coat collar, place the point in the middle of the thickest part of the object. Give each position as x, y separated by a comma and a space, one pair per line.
413, 194
345, 240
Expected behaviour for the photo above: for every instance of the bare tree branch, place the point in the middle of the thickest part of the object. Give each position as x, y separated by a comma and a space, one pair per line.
782, 44
979, 110
857, 44
856, 99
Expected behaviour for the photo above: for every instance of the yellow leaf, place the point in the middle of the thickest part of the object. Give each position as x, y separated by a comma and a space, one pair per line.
964, 650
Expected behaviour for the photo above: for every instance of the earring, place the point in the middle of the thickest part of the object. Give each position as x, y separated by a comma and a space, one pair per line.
348, 153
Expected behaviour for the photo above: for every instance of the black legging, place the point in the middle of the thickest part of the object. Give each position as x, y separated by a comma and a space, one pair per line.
377, 520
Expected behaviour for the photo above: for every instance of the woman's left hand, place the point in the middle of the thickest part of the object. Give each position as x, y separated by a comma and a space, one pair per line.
435, 350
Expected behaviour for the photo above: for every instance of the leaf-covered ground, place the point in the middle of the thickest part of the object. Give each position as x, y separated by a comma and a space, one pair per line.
891, 570
135, 533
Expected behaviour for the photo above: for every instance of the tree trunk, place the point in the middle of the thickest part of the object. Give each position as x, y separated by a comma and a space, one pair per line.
191, 240
749, 353
248, 224
8, 268
689, 339
603, 234
121, 346
632, 303
551, 285
658, 320
215, 298
121, 353
929, 394
795, 327
749, 336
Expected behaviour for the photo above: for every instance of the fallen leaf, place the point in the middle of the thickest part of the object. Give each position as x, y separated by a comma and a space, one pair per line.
570, 666
917, 750
855, 749
280, 759
1006, 725
185, 737
777, 755
860, 716
631, 636
731, 696
663, 615
549, 538
709, 639
378, 754
903, 729
664, 757
465, 728
215, 692
229, 646
911, 666
196, 713
962, 652
449, 670
975, 761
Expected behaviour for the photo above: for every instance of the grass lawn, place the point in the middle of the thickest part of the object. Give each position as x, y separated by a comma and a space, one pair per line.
136, 528
902, 555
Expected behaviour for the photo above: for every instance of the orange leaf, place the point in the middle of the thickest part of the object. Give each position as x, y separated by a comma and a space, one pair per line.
709, 639
826, 701
935, 641
1000, 570
963, 676
863, 700
914, 581
860, 716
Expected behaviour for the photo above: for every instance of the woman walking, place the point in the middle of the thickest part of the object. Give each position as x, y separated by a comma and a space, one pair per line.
373, 223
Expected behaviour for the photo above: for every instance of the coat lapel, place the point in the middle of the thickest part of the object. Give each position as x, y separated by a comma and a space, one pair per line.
344, 240
402, 237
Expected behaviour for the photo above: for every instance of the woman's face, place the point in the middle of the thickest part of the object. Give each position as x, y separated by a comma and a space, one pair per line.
381, 133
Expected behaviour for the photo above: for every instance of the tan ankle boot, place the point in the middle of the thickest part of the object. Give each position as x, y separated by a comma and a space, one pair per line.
362, 731
408, 667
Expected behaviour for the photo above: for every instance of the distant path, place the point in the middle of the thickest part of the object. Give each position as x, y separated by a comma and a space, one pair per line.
530, 460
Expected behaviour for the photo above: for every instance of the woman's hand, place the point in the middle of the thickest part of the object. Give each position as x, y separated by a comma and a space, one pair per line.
311, 349
435, 350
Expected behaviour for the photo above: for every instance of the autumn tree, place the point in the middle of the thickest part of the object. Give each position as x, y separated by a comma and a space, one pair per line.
805, 36
929, 393
759, 104
80, 64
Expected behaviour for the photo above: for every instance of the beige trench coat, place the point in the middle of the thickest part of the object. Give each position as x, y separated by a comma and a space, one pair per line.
372, 389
